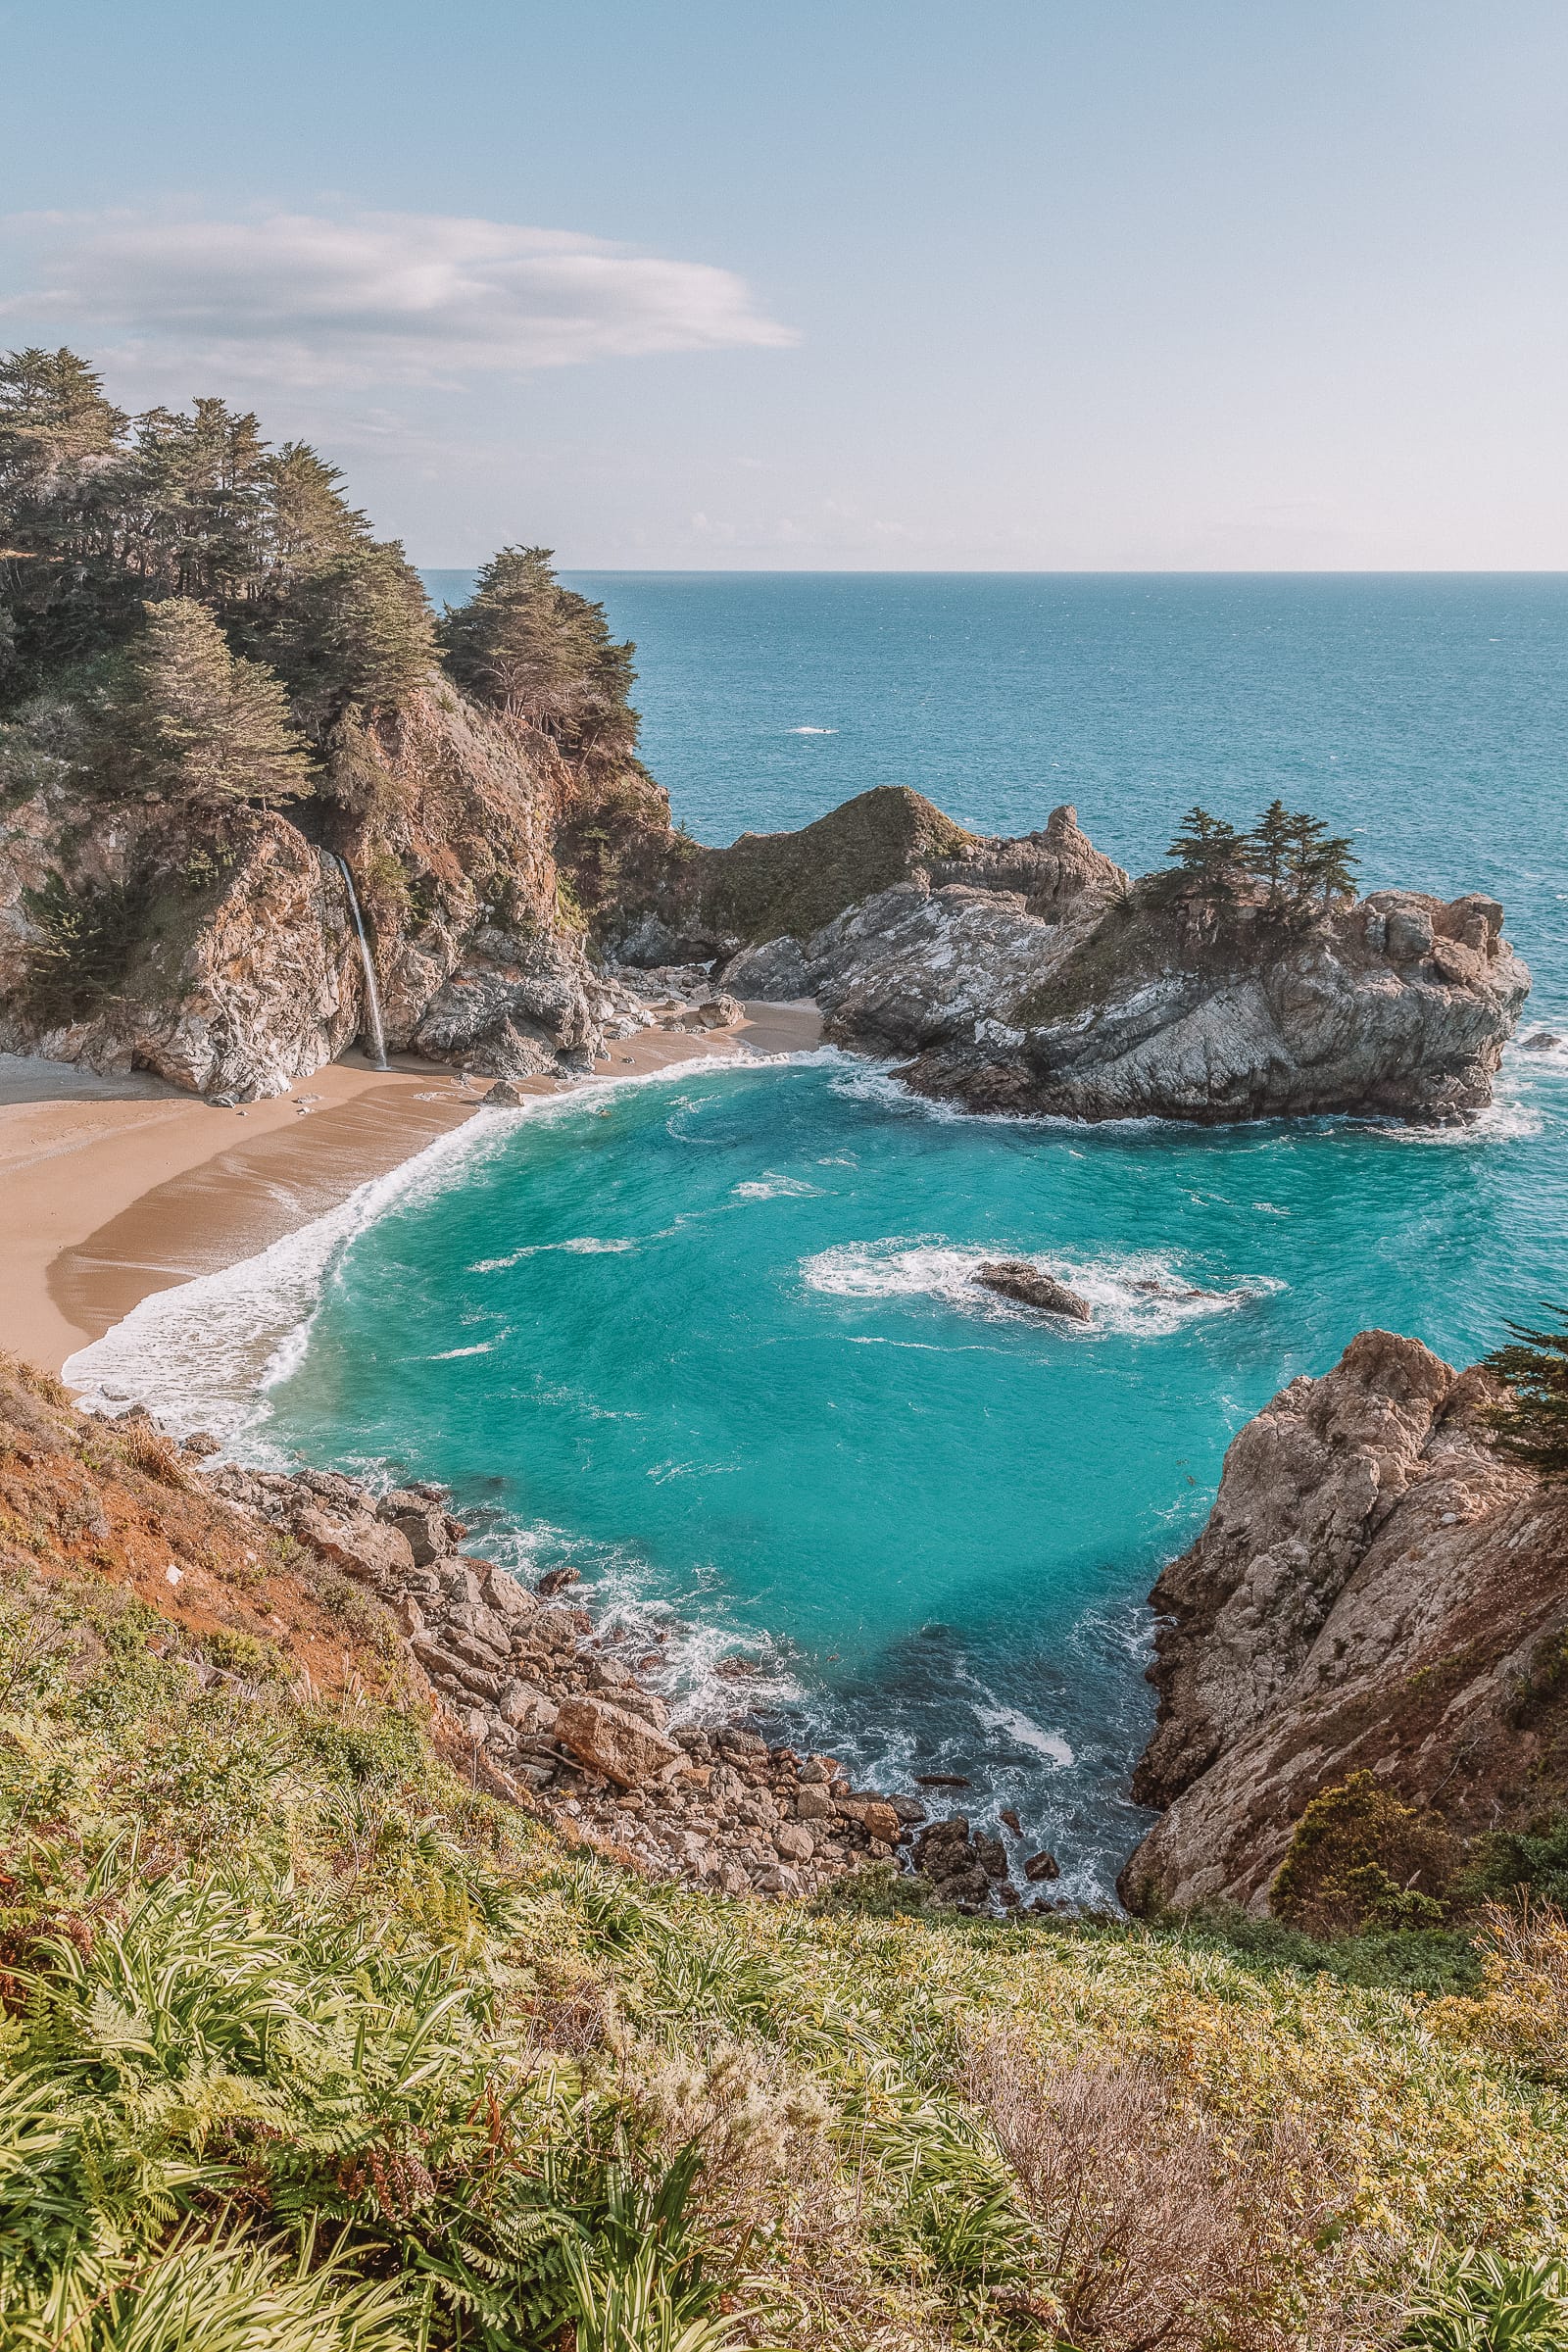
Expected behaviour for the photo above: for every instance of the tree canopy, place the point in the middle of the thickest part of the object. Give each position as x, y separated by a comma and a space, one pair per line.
103, 516
1297, 862
542, 653
1531, 1426
191, 722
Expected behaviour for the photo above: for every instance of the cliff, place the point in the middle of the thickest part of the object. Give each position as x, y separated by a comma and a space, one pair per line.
220, 951
1376, 1590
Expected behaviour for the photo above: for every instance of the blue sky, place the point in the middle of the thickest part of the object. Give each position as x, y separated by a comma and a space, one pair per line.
888, 285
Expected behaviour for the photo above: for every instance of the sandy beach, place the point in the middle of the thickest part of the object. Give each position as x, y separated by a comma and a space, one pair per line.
112, 1188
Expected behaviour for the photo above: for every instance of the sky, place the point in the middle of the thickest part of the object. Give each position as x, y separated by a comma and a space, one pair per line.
876, 285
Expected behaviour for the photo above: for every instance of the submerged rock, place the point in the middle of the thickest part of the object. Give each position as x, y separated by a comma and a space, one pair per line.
1017, 1279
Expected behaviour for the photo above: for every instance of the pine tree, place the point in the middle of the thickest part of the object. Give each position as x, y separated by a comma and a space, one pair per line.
1210, 852
542, 653
198, 724
1269, 848
1331, 869
1531, 1425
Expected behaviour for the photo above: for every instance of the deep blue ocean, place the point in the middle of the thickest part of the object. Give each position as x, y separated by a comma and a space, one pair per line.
710, 1338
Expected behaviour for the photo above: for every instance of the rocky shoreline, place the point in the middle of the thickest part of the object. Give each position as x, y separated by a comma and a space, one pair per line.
559, 1715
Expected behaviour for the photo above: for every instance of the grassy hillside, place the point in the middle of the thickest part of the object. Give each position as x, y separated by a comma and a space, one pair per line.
310, 2041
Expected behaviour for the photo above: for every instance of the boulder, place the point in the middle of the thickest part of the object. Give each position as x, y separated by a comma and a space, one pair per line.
526, 1708
1040, 1867
507, 1596
1540, 1041
874, 1816
610, 1740
772, 974
425, 1526
376, 1555
1016, 1277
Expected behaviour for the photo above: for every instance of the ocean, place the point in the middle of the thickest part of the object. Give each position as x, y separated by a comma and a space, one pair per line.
709, 1337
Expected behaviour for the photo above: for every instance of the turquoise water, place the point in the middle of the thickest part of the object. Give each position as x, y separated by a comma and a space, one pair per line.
711, 1339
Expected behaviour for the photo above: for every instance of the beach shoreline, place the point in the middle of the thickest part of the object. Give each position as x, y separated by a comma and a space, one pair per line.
114, 1187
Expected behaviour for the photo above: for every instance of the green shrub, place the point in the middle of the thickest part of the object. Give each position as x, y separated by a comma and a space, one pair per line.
1359, 1857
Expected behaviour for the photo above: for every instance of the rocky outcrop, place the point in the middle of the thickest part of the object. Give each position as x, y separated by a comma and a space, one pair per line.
1376, 1590
224, 955
1032, 975
1144, 1004
235, 966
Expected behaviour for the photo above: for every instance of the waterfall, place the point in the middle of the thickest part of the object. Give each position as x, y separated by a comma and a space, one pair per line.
372, 1001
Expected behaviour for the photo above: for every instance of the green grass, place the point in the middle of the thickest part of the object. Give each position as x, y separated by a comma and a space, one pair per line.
307, 2043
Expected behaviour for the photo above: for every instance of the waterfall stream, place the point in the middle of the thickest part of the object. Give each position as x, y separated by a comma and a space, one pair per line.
373, 999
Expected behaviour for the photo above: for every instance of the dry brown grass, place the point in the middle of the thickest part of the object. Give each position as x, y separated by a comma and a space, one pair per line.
1160, 2232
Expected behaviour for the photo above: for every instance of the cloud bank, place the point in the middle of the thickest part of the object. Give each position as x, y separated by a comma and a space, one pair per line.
371, 298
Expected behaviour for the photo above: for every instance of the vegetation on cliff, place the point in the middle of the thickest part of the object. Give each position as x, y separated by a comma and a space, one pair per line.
307, 2039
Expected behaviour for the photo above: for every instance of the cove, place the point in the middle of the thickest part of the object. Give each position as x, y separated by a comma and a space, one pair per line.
712, 1341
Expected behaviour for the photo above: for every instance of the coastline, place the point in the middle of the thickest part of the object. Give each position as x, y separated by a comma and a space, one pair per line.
114, 1187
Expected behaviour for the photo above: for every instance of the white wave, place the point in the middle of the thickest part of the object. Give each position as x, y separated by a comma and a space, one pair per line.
585, 1245
203, 1354
1508, 1120
772, 1187
450, 1355
1143, 1295
1028, 1734
814, 730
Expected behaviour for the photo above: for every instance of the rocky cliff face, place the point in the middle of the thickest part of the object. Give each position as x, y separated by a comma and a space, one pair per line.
1376, 1590
223, 955
229, 975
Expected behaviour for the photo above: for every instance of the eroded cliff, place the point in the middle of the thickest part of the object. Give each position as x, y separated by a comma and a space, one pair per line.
1376, 1590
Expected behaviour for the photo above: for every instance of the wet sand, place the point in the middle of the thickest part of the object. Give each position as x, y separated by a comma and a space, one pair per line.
110, 1189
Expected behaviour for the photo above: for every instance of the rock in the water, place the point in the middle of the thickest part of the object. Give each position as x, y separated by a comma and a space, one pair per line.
1040, 1867
1030, 975
610, 1740
1540, 1040
963, 1871
1017, 1279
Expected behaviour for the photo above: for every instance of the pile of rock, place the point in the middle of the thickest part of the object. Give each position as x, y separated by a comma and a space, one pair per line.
528, 1683
677, 996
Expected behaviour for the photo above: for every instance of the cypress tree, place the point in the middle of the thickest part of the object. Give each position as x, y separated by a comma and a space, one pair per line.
195, 723
1531, 1426
1210, 852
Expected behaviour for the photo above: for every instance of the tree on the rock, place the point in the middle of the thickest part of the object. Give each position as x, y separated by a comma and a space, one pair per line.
1318, 865
1531, 1425
1210, 852
1269, 848
542, 653
195, 723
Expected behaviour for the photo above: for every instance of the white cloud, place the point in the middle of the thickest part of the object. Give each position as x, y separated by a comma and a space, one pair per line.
411, 298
